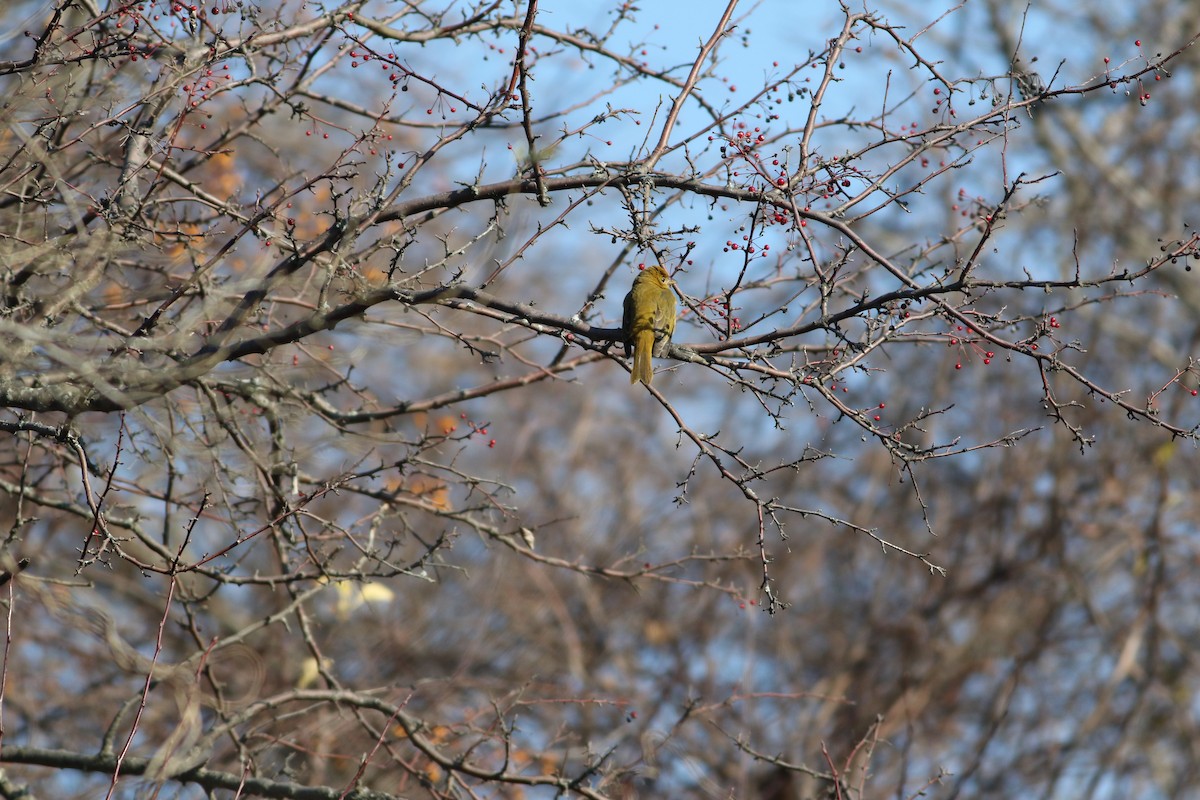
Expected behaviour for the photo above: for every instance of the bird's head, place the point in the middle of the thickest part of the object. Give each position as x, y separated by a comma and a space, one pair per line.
657, 274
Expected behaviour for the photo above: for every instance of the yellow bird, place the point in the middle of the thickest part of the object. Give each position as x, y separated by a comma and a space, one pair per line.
649, 320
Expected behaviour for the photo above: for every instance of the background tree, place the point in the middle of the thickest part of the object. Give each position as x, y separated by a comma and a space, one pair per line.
324, 478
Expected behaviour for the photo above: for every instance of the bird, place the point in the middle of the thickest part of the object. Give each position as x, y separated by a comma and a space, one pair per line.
649, 320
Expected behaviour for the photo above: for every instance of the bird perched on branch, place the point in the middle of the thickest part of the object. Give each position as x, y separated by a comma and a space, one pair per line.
649, 320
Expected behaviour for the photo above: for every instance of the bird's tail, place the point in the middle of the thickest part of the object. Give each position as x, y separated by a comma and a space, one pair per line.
643, 347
